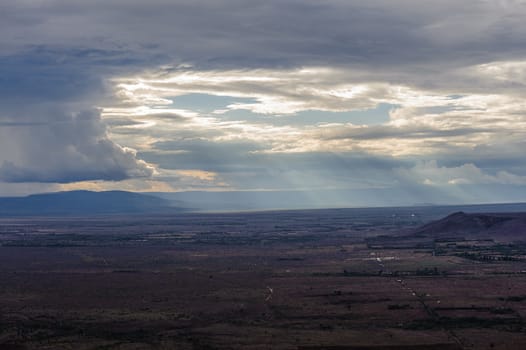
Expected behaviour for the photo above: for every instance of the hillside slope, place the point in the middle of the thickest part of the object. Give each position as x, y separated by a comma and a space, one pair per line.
497, 225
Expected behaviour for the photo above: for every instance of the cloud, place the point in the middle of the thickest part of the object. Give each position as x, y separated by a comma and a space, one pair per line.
74, 148
455, 125
50, 127
450, 97
430, 173
420, 121
274, 91
292, 32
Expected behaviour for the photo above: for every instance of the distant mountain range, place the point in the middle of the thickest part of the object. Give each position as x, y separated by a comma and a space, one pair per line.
84, 203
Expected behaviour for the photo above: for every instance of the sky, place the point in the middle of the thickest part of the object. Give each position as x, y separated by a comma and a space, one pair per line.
420, 98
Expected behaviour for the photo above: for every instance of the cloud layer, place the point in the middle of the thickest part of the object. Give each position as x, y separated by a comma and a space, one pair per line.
236, 94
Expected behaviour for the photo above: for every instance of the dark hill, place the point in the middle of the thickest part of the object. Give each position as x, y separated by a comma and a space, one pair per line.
503, 225
462, 222
83, 203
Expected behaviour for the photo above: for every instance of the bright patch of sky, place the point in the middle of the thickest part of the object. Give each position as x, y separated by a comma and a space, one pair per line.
206, 103
372, 116
219, 106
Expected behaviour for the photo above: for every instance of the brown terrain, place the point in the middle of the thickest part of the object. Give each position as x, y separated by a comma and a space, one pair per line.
320, 279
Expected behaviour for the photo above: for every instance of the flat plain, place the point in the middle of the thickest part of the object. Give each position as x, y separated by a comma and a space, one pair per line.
317, 279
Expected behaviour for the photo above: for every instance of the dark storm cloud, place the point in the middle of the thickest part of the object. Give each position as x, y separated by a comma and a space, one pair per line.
277, 33
61, 75
33, 77
49, 130
75, 148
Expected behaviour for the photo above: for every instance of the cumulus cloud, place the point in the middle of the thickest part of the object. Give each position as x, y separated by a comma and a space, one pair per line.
72, 148
50, 127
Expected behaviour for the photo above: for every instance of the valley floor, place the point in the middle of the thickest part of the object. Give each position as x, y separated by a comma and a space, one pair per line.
275, 280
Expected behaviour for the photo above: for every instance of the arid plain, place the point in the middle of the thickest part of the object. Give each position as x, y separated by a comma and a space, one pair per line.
319, 279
